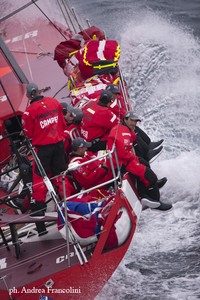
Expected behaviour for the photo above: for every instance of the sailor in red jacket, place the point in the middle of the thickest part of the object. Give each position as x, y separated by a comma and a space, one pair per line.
143, 145
73, 117
91, 174
123, 136
44, 124
118, 105
98, 120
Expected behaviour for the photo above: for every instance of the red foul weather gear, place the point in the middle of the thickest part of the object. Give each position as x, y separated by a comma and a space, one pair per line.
123, 139
67, 48
43, 121
97, 121
52, 158
90, 174
72, 131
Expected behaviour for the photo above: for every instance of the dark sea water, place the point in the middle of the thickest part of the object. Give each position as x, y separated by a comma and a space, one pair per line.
160, 60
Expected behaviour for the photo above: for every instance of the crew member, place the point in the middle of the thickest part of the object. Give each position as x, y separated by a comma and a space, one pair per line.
117, 101
143, 145
73, 117
90, 174
44, 124
123, 136
97, 122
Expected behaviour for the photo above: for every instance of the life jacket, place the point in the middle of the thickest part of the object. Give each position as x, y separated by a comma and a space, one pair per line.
97, 121
89, 90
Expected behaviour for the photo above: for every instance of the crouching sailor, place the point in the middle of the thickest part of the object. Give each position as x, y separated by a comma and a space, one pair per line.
91, 174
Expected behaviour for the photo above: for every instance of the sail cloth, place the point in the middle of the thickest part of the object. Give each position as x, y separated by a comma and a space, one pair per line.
67, 48
95, 58
87, 220
99, 57
87, 54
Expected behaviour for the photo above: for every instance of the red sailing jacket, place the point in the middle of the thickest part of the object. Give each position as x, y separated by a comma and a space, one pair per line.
90, 174
43, 121
97, 121
123, 139
115, 106
71, 131
117, 109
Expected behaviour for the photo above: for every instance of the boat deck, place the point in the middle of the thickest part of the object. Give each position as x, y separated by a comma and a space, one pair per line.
30, 256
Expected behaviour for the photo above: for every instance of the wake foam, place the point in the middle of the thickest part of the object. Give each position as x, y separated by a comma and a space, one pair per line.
161, 63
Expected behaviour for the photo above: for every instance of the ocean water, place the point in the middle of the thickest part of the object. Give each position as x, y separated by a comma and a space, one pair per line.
160, 61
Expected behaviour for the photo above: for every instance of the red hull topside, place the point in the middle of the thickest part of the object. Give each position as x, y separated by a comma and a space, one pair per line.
34, 53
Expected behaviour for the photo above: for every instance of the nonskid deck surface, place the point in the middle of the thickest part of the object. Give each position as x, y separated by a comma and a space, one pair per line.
39, 257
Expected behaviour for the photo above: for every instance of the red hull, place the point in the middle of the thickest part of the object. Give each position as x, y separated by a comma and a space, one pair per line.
83, 282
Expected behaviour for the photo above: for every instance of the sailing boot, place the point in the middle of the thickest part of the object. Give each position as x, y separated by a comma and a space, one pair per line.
161, 182
149, 202
164, 206
153, 153
154, 145
38, 209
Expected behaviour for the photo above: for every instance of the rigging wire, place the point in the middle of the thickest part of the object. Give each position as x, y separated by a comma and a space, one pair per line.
61, 9
25, 6
72, 11
6, 285
49, 20
17, 10
64, 86
27, 58
67, 9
